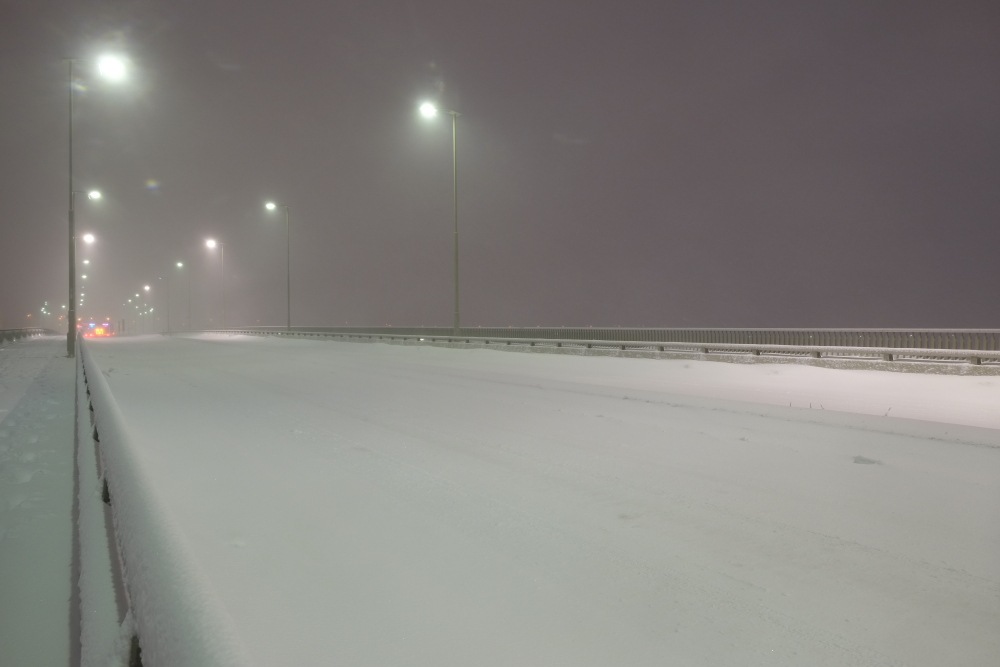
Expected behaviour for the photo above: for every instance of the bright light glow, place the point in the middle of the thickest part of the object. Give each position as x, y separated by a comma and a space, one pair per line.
84, 276
270, 206
88, 238
130, 300
94, 194
111, 68
146, 288
428, 110
210, 243
180, 265
86, 261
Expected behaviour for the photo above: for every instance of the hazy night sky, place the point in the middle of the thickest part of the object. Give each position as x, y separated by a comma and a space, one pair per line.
767, 164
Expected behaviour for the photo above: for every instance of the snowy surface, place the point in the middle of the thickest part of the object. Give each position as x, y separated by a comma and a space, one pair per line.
36, 498
171, 605
371, 504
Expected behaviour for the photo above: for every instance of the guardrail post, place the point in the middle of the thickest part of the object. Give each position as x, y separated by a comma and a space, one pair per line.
888, 356
975, 361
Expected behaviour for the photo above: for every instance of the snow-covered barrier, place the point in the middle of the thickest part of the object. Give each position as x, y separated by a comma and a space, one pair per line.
174, 616
15, 334
105, 627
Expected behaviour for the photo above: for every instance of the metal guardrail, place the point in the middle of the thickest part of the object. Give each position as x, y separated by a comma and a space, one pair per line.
15, 334
975, 346
936, 339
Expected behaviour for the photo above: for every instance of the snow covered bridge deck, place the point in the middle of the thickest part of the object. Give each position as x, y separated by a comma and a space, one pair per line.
392, 505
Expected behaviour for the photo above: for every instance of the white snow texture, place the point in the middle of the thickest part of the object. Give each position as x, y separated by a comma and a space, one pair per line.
371, 504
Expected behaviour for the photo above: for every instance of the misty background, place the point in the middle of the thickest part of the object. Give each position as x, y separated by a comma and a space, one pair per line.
682, 164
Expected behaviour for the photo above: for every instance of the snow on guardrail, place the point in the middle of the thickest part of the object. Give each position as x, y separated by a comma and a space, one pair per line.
924, 359
174, 613
105, 627
15, 334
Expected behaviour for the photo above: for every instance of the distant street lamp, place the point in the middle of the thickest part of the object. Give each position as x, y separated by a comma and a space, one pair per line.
211, 244
180, 265
429, 111
114, 69
270, 206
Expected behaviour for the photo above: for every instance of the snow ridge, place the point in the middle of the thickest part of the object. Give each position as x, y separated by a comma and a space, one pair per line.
175, 613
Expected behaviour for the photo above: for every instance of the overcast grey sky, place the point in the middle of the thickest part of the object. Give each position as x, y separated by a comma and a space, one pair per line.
626, 163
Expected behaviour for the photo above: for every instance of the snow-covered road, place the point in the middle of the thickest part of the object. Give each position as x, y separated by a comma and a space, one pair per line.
372, 504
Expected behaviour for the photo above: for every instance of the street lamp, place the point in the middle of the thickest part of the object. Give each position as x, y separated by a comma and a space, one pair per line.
211, 244
180, 265
88, 238
270, 206
112, 68
429, 111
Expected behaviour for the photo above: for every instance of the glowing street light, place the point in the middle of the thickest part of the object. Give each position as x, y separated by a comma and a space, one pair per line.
88, 238
429, 111
211, 244
146, 288
94, 195
180, 265
270, 206
112, 68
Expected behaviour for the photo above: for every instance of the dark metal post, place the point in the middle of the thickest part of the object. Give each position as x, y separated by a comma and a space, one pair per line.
222, 249
288, 270
168, 304
454, 175
71, 329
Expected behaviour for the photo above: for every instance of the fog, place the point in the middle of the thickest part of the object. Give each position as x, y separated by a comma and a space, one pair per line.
619, 163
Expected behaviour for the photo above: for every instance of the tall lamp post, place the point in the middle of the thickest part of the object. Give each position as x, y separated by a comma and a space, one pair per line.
145, 305
92, 195
429, 110
211, 244
180, 265
111, 68
270, 206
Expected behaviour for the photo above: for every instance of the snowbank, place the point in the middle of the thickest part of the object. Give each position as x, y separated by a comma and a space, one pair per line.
100, 620
173, 610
